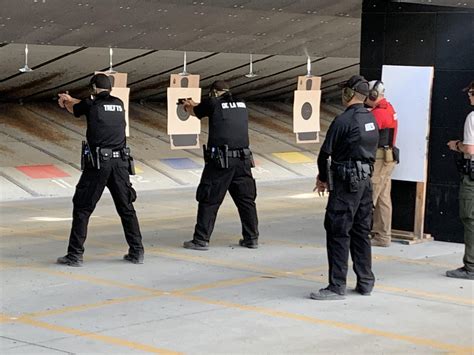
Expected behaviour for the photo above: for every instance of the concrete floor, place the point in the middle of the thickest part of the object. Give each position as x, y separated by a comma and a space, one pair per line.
228, 300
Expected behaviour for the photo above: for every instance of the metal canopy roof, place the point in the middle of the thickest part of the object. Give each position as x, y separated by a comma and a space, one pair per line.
69, 39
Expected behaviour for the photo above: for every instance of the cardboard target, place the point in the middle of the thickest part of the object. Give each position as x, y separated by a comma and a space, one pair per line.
307, 137
184, 81
179, 121
184, 141
306, 111
309, 83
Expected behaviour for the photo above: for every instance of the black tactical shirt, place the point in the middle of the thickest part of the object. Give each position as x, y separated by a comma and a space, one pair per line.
353, 135
105, 121
228, 121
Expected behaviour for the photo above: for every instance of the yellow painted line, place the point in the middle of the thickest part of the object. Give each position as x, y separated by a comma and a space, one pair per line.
335, 324
294, 157
379, 257
138, 170
218, 284
86, 278
84, 307
281, 273
157, 293
95, 336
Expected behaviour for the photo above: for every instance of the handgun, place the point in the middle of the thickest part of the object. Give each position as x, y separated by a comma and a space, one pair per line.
182, 101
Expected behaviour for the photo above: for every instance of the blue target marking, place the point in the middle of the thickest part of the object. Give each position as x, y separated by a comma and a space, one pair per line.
181, 163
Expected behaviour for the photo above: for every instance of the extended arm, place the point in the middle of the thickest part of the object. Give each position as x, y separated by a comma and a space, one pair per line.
67, 101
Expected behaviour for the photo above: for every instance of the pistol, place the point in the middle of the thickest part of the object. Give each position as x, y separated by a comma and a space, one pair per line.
182, 101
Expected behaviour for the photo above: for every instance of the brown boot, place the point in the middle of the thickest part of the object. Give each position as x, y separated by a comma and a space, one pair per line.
379, 243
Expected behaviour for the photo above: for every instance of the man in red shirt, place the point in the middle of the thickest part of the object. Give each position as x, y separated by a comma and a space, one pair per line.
384, 164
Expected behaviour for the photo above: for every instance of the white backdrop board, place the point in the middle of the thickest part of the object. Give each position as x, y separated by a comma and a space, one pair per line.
408, 89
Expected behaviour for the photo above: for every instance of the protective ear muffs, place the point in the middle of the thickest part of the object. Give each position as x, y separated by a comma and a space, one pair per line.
347, 94
92, 86
373, 93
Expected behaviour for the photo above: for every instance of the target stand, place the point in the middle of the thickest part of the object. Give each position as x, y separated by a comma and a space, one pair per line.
183, 128
306, 109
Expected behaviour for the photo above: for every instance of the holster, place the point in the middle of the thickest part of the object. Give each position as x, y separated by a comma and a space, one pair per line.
352, 173
131, 163
466, 167
330, 174
218, 155
247, 154
87, 160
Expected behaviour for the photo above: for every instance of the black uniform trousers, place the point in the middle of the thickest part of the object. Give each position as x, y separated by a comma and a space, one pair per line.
215, 182
113, 174
348, 222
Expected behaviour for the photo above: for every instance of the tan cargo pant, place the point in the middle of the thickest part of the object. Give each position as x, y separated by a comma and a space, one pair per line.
382, 185
466, 212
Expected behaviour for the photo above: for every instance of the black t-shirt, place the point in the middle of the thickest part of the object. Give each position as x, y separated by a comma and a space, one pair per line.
353, 135
105, 116
228, 121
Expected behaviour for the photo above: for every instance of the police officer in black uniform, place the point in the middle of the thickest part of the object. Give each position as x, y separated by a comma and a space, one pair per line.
351, 142
228, 163
107, 162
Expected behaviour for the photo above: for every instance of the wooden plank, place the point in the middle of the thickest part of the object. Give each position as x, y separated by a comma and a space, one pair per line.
420, 208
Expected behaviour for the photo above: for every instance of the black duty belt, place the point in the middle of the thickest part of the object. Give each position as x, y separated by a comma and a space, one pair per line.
237, 153
111, 154
352, 172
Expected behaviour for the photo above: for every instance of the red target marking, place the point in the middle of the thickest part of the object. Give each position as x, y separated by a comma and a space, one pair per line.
42, 171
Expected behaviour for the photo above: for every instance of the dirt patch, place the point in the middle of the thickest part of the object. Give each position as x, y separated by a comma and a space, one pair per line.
147, 117
270, 124
39, 83
5, 150
17, 117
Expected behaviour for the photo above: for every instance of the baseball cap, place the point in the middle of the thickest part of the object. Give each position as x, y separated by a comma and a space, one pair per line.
357, 83
101, 81
220, 85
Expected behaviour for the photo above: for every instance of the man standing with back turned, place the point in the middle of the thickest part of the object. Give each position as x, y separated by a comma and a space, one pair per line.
228, 163
351, 142
107, 162
385, 161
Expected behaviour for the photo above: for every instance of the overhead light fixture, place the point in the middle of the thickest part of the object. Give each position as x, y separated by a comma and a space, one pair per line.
184, 72
111, 69
26, 68
251, 74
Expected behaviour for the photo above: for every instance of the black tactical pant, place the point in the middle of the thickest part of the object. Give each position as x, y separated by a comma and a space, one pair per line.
215, 182
113, 174
348, 222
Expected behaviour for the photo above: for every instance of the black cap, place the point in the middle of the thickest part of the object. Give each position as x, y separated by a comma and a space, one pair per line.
220, 85
469, 87
101, 81
357, 83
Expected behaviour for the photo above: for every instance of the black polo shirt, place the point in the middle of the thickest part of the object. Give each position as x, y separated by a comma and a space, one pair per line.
105, 116
353, 135
228, 121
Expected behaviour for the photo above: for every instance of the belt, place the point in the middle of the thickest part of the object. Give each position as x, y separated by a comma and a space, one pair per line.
235, 153
111, 154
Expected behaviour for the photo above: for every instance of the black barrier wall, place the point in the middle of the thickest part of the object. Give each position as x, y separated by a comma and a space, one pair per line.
395, 33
